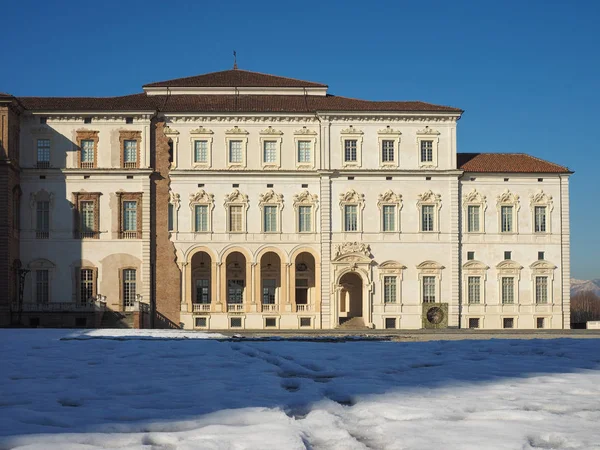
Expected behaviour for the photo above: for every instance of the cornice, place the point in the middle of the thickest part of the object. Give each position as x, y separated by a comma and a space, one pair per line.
78, 117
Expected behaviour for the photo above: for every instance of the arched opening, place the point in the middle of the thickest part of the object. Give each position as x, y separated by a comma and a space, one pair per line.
305, 281
270, 280
236, 280
201, 279
351, 295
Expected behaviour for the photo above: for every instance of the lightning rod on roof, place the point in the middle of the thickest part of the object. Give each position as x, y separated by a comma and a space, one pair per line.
235, 60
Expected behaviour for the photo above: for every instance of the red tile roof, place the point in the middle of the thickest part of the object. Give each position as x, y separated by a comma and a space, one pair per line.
507, 163
136, 102
235, 78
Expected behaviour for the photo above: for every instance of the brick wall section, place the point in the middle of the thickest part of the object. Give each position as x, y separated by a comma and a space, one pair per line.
166, 275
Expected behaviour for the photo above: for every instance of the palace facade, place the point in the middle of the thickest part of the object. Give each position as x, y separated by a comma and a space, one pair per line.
239, 200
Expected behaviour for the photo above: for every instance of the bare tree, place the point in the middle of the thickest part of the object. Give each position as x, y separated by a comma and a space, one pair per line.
585, 306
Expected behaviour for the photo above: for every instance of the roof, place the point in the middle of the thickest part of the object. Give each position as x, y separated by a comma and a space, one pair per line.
136, 102
236, 78
507, 163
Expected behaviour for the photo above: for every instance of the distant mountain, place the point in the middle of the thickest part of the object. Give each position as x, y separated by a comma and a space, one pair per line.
579, 286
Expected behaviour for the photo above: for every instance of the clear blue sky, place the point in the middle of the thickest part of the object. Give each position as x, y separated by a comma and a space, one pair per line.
525, 72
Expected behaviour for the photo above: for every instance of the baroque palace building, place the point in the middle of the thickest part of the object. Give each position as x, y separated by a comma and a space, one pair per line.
239, 200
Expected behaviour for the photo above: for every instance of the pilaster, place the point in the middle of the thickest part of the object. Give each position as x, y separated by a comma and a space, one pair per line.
325, 214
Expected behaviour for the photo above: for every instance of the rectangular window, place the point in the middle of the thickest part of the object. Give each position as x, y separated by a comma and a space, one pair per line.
305, 321
474, 290
350, 218
171, 218
506, 217
130, 153
473, 219
42, 227
304, 151
508, 290
235, 322
235, 291
540, 256
540, 322
426, 151
270, 322
203, 291
508, 322
389, 218
270, 152
428, 289
470, 256
201, 152
389, 289
87, 154
350, 150
42, 286
235, 219
270, 219
86, 285
305, 219
235, 152
541, 290
474, 322
390, 322
129, 287
540, 219
201, 322
201, 218
507, 255
87, 225
43, 153
387, 151
427, 217
269, 289
129, 216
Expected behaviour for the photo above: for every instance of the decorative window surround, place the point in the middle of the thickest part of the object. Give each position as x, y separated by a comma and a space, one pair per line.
173, 135
201, 197
389, 198
541, 199
237, 134
428, 134
270, 198
130, 197
175, 200
509, 268
130, 136
78, 199
474, 268
474, 198
389, 134
41, 264
352, 134
305, 198
542, 269
78, 283
431, 269
305, 134
236, 198
393, 269
435, 200
85, 135
270, 134
41, 196
352, 198
507, 198
202, 134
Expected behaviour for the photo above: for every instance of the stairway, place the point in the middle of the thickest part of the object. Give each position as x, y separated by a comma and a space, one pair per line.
355, 323
116, 319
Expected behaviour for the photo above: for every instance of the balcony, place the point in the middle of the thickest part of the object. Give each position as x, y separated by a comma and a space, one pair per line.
42, 234
87, 235
129, 235
303, 308
235, 307
86, 164
43, 165
201, 307
269, 308
60, 307
130, 165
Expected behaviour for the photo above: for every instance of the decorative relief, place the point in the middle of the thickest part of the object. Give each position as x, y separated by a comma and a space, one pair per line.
430, 267
170, 131
271, 197
508, 267
271, 131
352, 197
42, 196
429, 197
508, 197
305, 132
236, 196
201, 130
236, 130
174, 199
306, 198
542, 268
474, 197
390, 197
351, 130
428, 131
389, 131
201, 197
352, 248
541, 198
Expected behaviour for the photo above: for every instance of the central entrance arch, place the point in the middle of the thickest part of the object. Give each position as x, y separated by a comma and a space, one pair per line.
351, 295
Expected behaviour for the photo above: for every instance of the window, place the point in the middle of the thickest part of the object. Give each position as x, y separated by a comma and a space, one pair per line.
350, 154
270, 218
427, 217
270, 152
389, 289
201, 152
426, 151
129, 287
390, 323
506, 219
428, 289
235, 219
130, 153
269, 289
235, 152
87, 154
42, 227
474, 290
235, 322
508, 322
389, 217
235, 291
201, 322
540, 256
171, 218
42, 292
43, 153
507, 255
350, 218
387, 151
508, 290
304, 152
129, 216
203, 291
540, 322
88, 226
87, 291
541, 290
540, 219
470, 256
305, 219
270, 322
305, 321
473, 218
474, 322
201, 218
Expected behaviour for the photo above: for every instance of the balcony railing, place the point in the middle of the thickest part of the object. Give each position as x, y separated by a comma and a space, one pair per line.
129, 235
62, 307
130, 165
235, 307
42, 234
269, 308
201, 307
303, 308
86, 164
43, 164
87, 235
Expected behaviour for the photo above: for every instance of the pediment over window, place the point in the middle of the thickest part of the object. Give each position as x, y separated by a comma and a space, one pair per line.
508, 197
305, 197
509, 265
170, 131
351, 130
201, 130
201, 197
389, 131
236, 196
40, 264
271, 197
352, 197
474, 197
428, 131
271, 131
542, 265
475, 265
541, 198
430, 265
429, 197
236, 130
41, 196
390, 197
305, 132
391, 266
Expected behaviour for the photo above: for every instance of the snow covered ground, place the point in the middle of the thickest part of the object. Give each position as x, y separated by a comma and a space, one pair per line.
180, 393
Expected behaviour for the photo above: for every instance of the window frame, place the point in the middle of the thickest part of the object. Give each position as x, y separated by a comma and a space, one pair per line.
198, 135
201, 198
43, 164
352, 198
308, 135
391, 269
232, 135
122, 282
125, 197
351, 134
128, 136
541, 200
428, 134
389, 134
505, 199
94, 281
474, 199
429, 199
270, 135
430, 269
85, 135
305, 198
78, 199
236, 198
543, 268
271, 199
390, 199
509, 269
474, 268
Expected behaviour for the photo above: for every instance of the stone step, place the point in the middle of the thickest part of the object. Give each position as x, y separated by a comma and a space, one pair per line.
354, 323
117, 319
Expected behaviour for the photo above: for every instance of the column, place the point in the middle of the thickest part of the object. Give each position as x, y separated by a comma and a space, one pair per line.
184, 286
